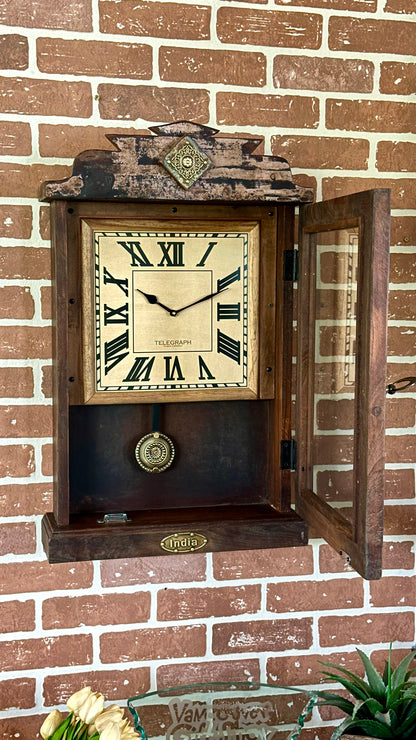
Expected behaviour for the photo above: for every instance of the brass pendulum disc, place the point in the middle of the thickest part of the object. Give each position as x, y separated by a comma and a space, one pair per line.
155, 452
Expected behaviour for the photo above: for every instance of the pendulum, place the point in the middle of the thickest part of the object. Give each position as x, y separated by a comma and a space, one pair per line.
155, 451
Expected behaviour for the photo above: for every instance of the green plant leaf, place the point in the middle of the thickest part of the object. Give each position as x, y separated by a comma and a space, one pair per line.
355, 680
375, 681
401, 674
335, 700
59, 732
355, 690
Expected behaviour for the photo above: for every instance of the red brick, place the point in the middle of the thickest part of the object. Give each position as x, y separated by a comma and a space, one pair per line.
307, 669
15, 221
63, 140
21, 727
261, 635
105, 59
323, 73
16, 382
15, 138
47, 652
365, 628
25, 262
18, 538
17, 616
331, 561
402, 190
19, 180
401, 341
215, 66
156, 19
40, 576
397, 78
397, 591
44, 220
197, 603
46, 301
371, 115
168, 569
401, 304
78, 611
333, 450
400, 483
236, 109
47, 381
403, 267
47, 459
25, 421
322, 152
292, 561
269, 28
66, 15
399, 6
115, 685
315, 595
24, 342
153, 644
17, 461
358, 5
203, 671
17, 693
335, 485
14, 51
45, 97
16, 302
153, 103
400, 519
371, 35
396, 156
25, 500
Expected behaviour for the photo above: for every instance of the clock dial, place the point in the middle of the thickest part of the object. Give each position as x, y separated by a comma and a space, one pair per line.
175, 309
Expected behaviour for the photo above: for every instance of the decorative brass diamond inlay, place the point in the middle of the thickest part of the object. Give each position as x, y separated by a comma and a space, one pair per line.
186, 162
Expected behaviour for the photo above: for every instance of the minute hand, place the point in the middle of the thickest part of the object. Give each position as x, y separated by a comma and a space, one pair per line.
200, 300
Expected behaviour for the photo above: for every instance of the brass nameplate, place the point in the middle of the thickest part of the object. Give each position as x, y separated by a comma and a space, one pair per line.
183, 542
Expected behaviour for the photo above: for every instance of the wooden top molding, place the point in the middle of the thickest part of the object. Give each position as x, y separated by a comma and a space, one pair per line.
136, 170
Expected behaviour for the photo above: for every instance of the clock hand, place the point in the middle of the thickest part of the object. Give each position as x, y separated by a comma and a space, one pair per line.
150, 298
200, 300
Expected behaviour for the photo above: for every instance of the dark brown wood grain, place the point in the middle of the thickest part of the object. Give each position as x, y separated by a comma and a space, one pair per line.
360, 537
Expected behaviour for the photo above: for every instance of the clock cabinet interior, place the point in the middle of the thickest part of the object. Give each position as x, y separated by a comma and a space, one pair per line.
246, 471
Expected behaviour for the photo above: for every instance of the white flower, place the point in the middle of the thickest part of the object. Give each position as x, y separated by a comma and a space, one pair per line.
76, 700
91, 708
111, 731
113, 713
52, 721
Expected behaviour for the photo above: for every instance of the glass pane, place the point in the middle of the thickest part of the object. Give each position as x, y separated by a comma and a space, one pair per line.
214, 711
335, 367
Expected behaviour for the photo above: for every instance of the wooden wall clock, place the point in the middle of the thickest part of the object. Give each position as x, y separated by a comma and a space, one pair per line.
174, 273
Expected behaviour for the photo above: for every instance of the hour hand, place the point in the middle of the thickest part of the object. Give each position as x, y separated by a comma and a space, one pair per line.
150, 298
200, 300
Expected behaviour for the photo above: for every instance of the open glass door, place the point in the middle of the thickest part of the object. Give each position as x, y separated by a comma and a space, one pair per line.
341, 373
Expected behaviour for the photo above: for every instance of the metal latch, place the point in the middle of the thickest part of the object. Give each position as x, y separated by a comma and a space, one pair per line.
114, 518
288, 454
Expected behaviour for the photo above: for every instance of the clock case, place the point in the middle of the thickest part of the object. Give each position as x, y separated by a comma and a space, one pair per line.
243, 477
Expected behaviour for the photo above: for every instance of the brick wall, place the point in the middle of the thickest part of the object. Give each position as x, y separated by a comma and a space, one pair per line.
329, 84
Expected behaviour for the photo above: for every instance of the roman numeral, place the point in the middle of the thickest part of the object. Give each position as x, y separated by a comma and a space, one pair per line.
228, 346
228, 311
142, 367
122, 283
138, 257
114, 350
204, 371
118, 315
171, 369
226, 281
206, 255
172, 254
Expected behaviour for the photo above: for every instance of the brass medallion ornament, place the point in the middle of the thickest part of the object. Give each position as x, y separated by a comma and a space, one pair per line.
155, 452
186, 162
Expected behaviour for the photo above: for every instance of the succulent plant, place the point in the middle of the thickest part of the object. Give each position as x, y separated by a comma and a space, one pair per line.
385, 705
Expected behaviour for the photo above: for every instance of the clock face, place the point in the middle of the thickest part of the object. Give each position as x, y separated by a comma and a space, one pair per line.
174, 310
